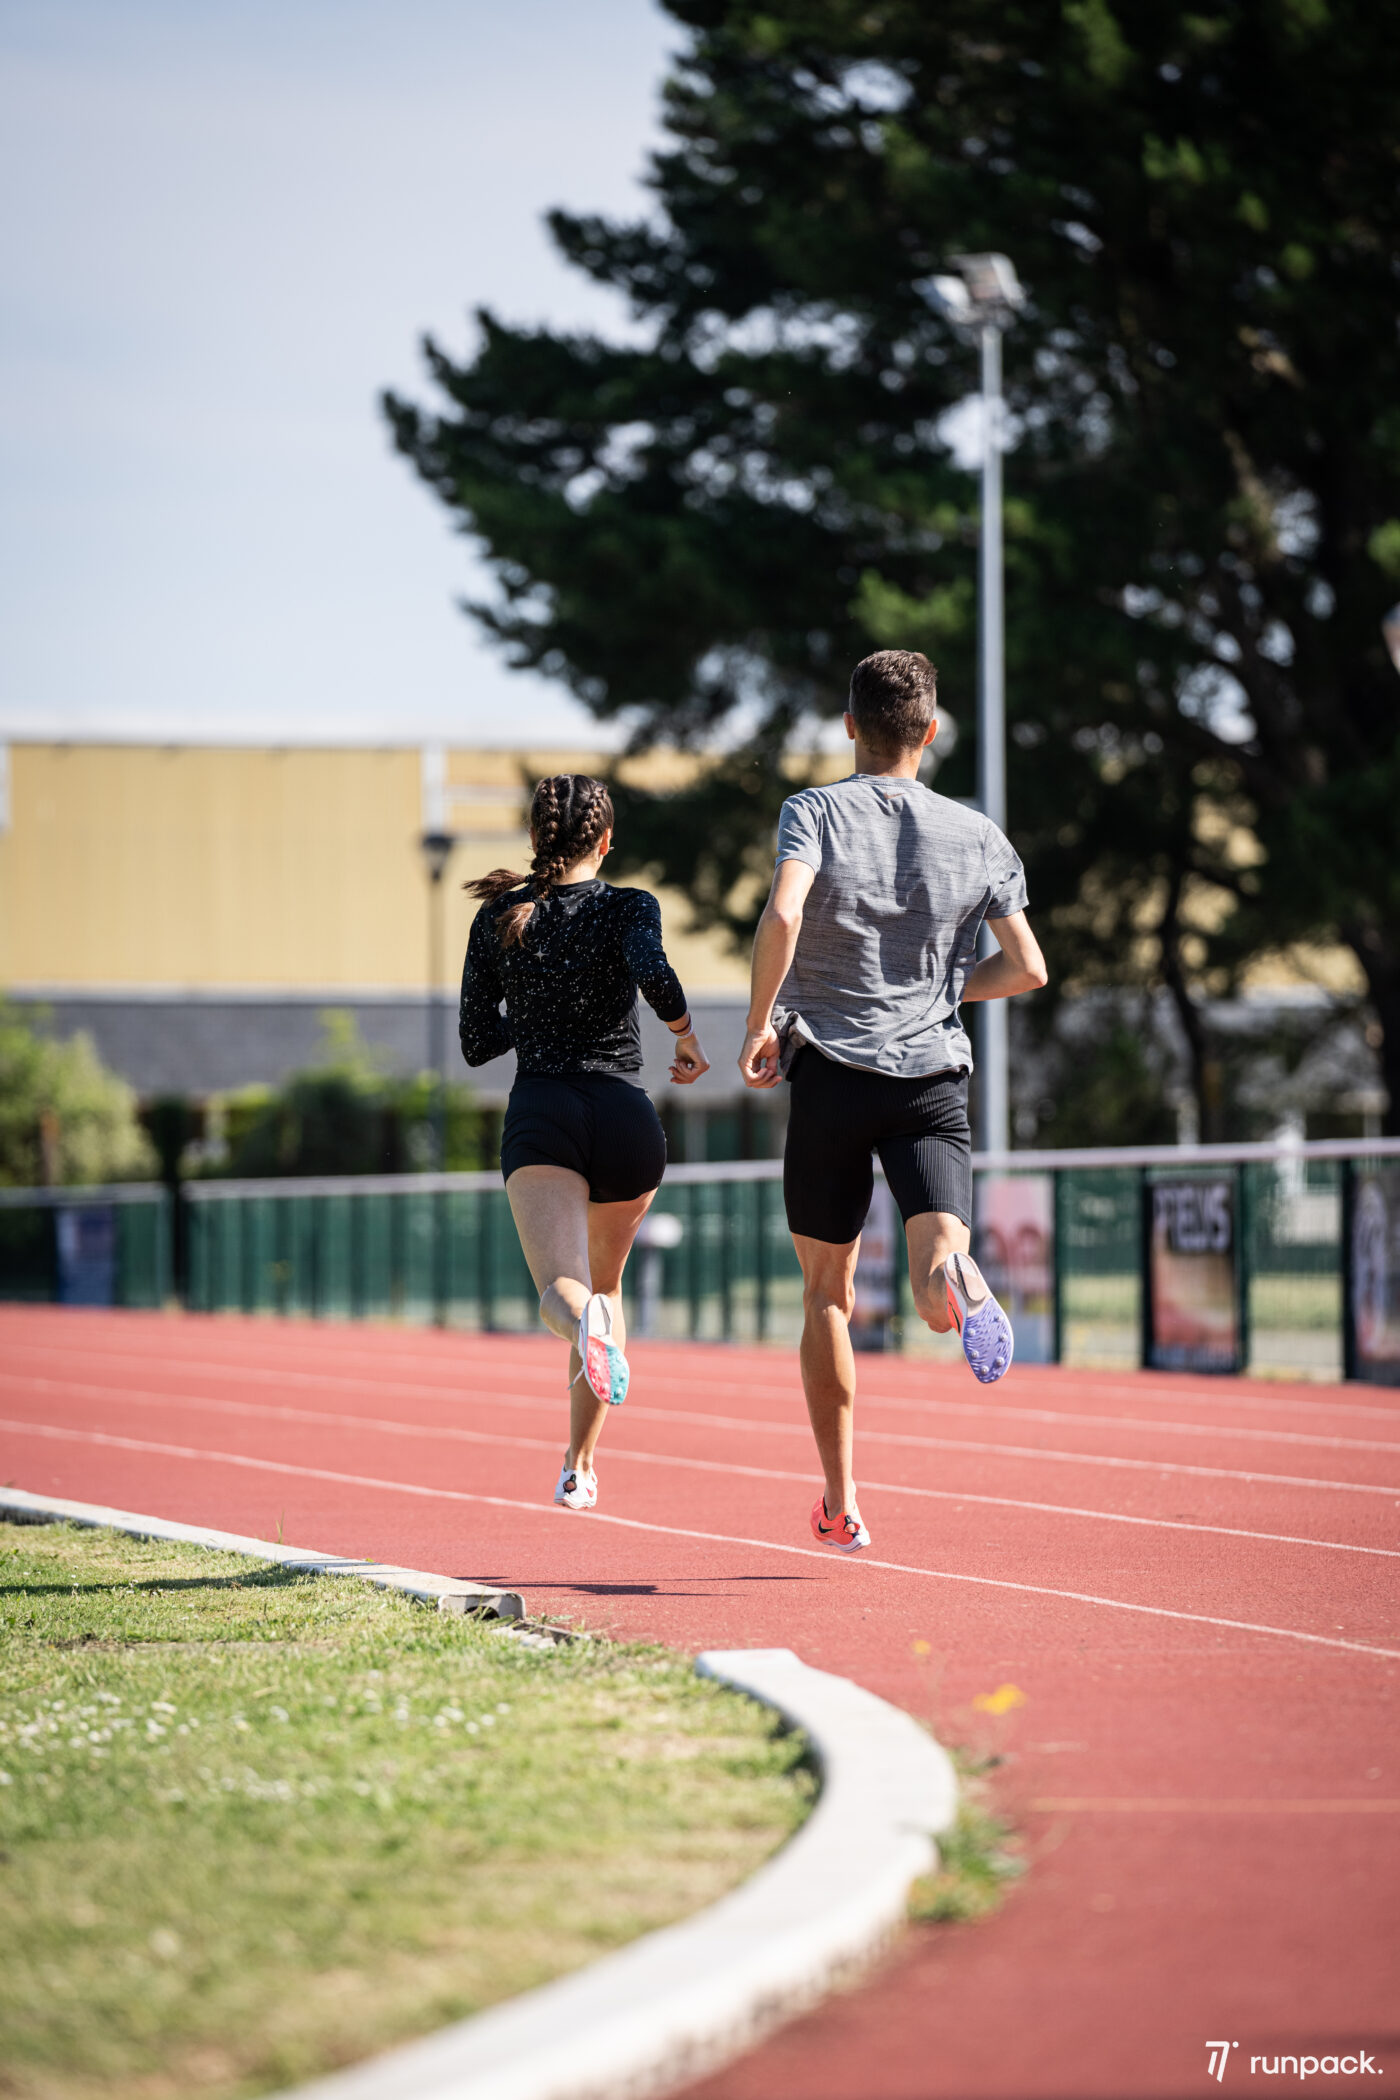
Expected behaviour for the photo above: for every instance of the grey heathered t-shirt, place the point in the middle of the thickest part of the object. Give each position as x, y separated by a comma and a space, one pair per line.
904, 879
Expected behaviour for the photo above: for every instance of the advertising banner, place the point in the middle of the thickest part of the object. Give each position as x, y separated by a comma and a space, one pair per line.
1013, 1243
1192, 1293
1375, 1273
87, 1254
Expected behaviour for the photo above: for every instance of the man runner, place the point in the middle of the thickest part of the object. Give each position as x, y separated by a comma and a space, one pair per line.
865, 951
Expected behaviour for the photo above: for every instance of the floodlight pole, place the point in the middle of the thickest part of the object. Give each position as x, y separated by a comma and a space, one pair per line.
981, 302
993, 1039
437, 851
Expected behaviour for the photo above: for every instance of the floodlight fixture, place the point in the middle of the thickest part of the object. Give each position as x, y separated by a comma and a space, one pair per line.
950, 297
994, 290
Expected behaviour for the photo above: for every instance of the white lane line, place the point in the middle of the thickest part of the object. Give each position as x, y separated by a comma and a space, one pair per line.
714, 1538
747, 1426
509, 1362
1181, 1396
1187, 1805
1008, 1411
1217, 1429
453, 1433
420, 1391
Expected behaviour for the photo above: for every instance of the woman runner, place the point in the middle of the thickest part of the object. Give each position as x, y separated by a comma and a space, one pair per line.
582, 1151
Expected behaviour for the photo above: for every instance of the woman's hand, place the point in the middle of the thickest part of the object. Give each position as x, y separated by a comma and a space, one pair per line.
691, 1060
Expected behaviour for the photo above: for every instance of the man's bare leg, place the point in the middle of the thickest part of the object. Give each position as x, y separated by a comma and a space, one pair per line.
932, 1236
828, 1361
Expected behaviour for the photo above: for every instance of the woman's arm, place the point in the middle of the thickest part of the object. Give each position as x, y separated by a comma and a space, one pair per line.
646, 959
661, 988
484, 1030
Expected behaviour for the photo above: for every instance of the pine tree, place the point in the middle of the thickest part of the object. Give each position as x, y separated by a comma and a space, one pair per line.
708, 526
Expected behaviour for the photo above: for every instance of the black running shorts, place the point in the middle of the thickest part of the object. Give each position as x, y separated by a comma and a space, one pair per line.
841, 1114
595, 1124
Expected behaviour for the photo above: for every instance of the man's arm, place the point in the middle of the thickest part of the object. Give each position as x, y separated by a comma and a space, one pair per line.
774, 946
1020, 967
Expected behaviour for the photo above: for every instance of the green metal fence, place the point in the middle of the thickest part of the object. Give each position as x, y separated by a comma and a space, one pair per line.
443, 1248
1281, 1261
95, 1246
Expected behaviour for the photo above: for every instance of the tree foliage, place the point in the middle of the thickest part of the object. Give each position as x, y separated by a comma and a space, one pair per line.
702, 526
64, 1118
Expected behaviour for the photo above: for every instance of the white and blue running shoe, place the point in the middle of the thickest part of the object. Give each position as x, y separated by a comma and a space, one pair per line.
604, 1365
987, 1340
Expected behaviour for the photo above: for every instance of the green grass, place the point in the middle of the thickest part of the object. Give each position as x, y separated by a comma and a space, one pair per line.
1108, 1298
254, 1825
1287, 1304
978, 1859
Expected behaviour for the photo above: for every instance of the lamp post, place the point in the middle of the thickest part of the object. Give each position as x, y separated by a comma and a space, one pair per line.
982, 301
437, 851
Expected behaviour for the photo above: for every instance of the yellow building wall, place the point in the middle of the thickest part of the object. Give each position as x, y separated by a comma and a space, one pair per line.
195, 868
206, 869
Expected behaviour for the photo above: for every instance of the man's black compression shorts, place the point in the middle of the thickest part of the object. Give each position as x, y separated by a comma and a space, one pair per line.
594, 1123
841, 1114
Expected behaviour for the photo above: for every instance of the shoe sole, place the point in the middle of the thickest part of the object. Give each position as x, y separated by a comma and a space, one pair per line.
605, 1368
988, 1343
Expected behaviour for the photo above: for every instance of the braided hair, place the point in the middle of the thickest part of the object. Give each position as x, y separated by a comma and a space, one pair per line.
569, 812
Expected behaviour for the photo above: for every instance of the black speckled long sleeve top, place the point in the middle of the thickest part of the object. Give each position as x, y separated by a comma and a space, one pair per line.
570, 987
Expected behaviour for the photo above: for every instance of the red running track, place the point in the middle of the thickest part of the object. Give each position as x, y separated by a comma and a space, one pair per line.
1191, 1584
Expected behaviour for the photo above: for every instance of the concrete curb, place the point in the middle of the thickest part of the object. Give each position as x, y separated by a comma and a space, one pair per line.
441, 1590
678, 2003
681, 2001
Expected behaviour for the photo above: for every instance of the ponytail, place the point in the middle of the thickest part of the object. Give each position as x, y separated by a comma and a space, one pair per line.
569, 812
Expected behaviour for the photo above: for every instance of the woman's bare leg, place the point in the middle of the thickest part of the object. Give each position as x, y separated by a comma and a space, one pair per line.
574, 1248
612, 1227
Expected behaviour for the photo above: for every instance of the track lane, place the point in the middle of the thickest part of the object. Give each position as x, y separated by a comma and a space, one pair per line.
795, 1424
183, 1401
1127, 1574
1043, 1394
210, 1456
1143, 1927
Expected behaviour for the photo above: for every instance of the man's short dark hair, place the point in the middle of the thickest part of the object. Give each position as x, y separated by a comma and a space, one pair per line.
894, 697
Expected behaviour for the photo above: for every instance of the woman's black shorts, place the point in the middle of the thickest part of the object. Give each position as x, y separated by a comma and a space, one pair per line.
595, 1124
841, 1114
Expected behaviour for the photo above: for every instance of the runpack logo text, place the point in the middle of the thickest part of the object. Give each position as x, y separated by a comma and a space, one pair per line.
1354, 2066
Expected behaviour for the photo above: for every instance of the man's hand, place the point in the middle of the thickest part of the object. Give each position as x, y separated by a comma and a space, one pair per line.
758, 1060
775, 944
690, 1061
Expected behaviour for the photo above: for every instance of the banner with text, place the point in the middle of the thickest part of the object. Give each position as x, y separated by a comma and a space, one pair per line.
1193, 1318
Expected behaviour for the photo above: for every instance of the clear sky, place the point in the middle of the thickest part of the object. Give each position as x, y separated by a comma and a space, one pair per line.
225, 227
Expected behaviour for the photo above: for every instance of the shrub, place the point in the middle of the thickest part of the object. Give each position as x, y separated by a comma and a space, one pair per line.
64, 1118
